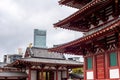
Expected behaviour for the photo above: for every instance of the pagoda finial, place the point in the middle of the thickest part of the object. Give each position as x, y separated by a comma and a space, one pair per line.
30, 45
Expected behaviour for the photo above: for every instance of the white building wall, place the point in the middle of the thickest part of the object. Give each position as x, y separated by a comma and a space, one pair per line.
8, 59
59, 75
64, 74
33, 75
114, 73
90, 75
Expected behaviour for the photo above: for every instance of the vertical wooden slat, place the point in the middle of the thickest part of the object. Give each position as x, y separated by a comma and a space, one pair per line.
100, 66
85, 62
29, 76
106, 65
94, 66
56, 73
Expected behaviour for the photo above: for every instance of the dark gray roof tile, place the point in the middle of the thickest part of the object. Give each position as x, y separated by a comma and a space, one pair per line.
43, 53
52, 61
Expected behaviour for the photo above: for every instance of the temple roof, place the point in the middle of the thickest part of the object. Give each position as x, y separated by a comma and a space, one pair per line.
74, 3
41, 56
109, 28
43, 53
41, 61
80, 14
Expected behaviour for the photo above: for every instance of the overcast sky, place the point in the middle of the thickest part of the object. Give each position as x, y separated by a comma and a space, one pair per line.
18, 18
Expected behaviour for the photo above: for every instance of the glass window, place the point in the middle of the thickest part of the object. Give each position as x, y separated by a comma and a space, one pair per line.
113, 59
89, 63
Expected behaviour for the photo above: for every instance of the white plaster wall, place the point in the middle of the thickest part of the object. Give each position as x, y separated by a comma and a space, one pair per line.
64, 74
90, 75
59, 75
114, 73
8, 59
54, 75
33, 75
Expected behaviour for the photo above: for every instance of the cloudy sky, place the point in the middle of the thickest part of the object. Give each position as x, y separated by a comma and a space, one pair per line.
18, 18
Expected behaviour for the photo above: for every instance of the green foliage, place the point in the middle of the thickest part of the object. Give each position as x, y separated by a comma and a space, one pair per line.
77, 70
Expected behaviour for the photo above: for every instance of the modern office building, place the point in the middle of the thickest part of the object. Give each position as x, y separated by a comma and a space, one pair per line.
39, 38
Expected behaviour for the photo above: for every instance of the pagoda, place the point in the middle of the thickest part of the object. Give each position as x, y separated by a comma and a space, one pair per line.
99, 20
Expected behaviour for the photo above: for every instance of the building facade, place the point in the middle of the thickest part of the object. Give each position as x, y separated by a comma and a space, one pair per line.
39, 64
9, 58
39, 38
100, 45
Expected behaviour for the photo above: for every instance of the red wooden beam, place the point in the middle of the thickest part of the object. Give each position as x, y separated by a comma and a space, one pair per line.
29, 75
56, 73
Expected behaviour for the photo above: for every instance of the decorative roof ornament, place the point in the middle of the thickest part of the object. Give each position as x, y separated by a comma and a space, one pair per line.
30, 45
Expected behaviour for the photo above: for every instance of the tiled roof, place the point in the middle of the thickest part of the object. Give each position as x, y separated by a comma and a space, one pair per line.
50, 61
43, 53
79, 12
107, 27
40, 56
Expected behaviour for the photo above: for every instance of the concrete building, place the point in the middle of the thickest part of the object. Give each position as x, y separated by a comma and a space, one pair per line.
9, 58
39, 38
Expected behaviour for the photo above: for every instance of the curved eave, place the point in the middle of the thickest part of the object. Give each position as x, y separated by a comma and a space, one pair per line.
71, 4
64, 1
20, 63
61, 48
79, 14
74, 28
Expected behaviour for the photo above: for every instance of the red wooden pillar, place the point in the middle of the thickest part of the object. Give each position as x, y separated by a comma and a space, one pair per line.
46, 75
106, 65
56, 73
5, 78
67, 73
85, 77
42, 77
18, 78
94, 67
119, 52
29, 74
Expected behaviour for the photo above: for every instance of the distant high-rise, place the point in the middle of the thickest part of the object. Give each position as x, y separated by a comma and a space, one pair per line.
39, 38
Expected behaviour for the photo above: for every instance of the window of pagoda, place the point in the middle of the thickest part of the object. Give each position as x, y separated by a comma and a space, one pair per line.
113, 59
113, 63
89, 63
